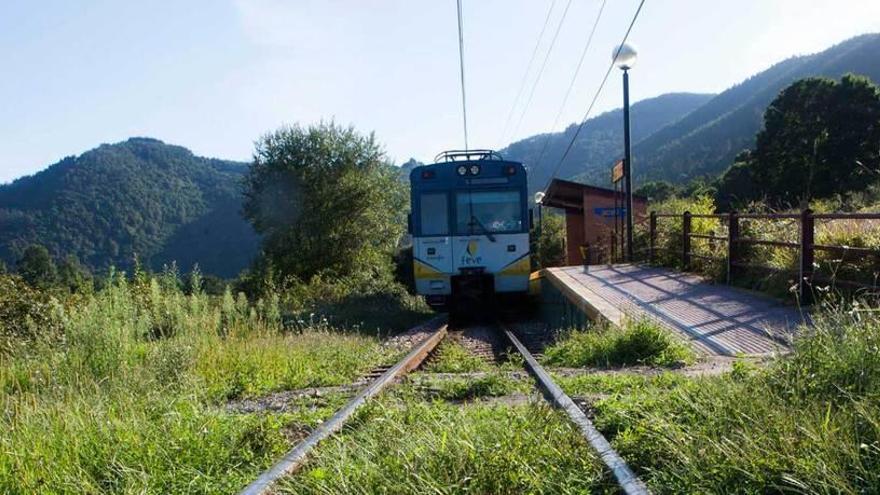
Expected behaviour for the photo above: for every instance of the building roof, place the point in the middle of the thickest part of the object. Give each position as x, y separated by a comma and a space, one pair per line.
569, 195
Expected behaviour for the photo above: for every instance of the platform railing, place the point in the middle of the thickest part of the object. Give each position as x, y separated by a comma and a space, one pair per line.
735, 243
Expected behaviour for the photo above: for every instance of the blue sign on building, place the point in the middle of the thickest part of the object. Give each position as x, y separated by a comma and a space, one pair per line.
609, 212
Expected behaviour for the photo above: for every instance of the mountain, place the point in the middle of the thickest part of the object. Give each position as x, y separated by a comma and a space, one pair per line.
678, 137
705, 141
600, 142
140, 197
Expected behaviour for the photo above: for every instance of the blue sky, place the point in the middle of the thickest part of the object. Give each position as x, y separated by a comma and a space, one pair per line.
215, 75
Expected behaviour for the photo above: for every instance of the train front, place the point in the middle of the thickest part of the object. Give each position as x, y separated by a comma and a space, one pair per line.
470, 228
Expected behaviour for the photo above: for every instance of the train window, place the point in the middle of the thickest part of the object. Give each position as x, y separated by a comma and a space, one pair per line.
488, 211
434, 214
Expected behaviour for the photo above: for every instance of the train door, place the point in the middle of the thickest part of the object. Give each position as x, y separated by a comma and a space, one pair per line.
432, 245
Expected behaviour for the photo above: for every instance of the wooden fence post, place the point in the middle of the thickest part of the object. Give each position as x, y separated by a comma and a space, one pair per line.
652, 238
732, 244
805, 273
686, 240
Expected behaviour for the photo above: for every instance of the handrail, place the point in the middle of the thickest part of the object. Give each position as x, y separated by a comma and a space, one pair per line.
846, 216
766, 242
709, 236
805, 243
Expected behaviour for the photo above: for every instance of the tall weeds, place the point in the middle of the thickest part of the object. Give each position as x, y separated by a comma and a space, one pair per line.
809, 423
125, 390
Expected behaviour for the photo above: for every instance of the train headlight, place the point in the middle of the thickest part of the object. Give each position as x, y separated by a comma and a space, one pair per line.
475, 169
462, 170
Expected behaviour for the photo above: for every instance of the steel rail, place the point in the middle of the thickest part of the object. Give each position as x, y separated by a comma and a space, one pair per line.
628, 481
295, 457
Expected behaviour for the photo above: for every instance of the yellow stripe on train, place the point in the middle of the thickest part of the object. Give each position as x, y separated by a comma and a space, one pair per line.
423, 270
521, 266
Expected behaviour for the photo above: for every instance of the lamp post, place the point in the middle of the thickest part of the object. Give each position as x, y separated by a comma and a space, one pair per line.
624, 57
539, 197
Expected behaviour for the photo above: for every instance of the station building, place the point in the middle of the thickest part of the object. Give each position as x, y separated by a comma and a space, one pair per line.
590, 216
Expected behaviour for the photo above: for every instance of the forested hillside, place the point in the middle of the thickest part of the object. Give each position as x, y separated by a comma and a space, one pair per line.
706, 141
678, 137
140, 198
600, 141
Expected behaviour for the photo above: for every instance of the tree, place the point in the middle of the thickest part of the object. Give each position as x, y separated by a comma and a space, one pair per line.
659, 190
550, 249
820, 138
73, 277
326, 200
37, 268
735, 187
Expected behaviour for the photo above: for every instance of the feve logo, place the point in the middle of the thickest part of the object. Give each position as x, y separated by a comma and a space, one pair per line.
470, 257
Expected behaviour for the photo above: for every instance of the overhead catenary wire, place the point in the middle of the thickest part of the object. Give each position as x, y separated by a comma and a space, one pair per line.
461, 65
572, 83
595, 97
525, 78
541, 70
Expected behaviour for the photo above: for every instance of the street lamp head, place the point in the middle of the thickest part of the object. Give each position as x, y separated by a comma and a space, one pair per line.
624, 56
539, 196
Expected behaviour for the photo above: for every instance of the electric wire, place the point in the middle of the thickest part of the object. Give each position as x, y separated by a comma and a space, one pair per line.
571, 84
522, 84
461, 64
541, 71
595, 97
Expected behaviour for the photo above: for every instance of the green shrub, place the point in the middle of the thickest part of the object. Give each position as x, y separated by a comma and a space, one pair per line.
669, 234
638, 342
25, 313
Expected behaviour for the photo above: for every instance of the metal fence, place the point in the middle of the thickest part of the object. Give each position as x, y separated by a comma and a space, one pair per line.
735, 243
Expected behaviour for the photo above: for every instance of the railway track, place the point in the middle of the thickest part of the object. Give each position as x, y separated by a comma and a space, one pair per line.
493, 343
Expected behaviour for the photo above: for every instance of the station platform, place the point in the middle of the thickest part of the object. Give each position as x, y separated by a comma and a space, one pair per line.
716, 319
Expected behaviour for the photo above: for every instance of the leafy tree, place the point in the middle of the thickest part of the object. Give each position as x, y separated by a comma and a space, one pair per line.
326, 200
736, 185
550, 248
698, 187
24, 312
37, 268
820, 138
73, 276
659, 190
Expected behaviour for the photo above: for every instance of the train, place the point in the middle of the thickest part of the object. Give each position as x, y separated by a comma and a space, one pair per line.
470, 223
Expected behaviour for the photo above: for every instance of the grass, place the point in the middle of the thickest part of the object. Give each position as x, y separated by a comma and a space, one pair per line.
638, 342
259, 364
406, 445
492, 384
808, 423
452, 357
618, 384
126, 391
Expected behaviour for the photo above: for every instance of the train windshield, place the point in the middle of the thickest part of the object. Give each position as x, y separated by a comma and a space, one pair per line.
487, 212
434, 214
